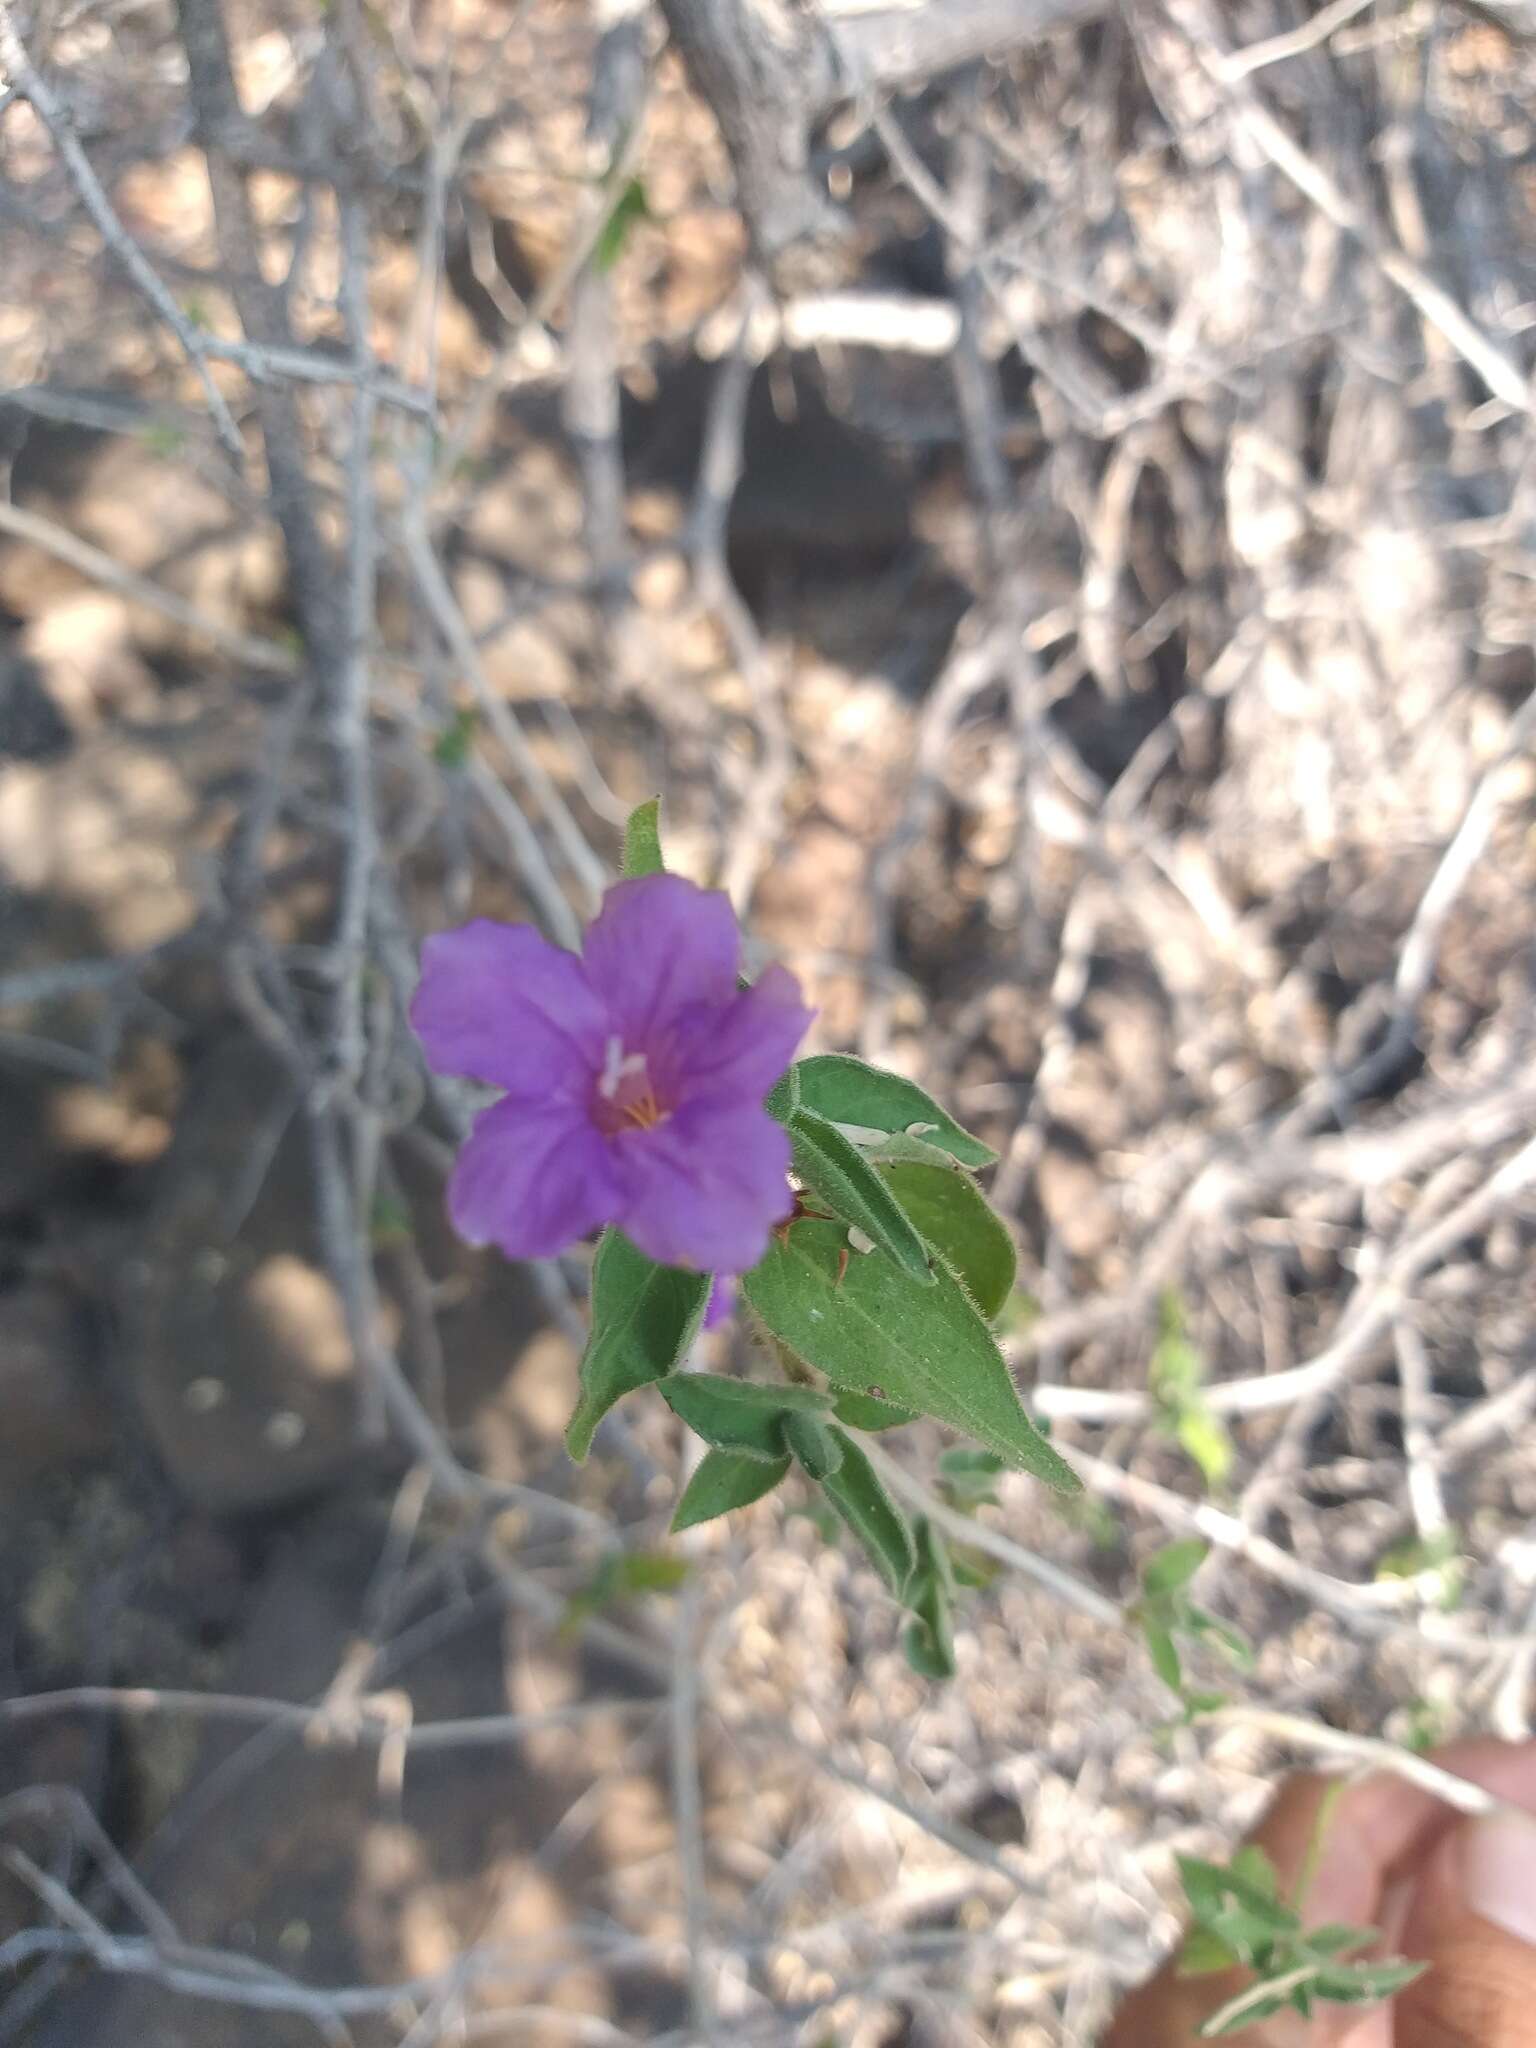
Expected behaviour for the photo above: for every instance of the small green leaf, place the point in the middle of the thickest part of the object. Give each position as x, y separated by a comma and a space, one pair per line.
929, 1641
1237, 1648
1204, 1953
642, 841
1174, 1566
1164, 1654
859, 1496
744, 1416
839, 1174
815, 1446
1251, 1867
1357, 1983
925, 1347
850, 1091
620, 1576
630, 207
951, 1213
389, 1222
644, 1318
969, 1478
869, 1412
726, 1480
1203, 1436
454, 744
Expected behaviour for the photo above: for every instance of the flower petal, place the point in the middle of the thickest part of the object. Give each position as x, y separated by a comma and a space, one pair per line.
742, 1047
705, 1188
533, 1179
721, 1305
658, 943
500, 1003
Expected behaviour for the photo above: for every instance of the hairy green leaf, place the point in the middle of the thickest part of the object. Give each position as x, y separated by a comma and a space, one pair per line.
857, 1492
952, 1214
815, 1446
839, 1174
726, 1480
925, 1348
870, 1412
644, 1318
850, 1091
745, 1416
630, 206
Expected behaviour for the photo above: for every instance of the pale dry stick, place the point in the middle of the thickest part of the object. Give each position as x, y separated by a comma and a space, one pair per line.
1242, 63
1425, 1498
1373, 1608
1435, 305
30, 85
444, 610
720, 464
1055, 1579
348, 693
64, 546
1366, 1316
1367, 1752
373, 1723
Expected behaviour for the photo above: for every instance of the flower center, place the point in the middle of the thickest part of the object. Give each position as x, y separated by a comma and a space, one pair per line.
626, 1096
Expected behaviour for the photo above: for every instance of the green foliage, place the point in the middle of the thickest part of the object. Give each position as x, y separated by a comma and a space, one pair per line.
389, 1222
726, 1480
968, 1479
846, 1090
870, 1412
624, 1575
952, 1214
858, 1495
930, 1639
642, 841
1165, 1614
744, 1416
925, 1346
644, 1318
628, 209
163, 438
1177, 1386
456, 742
1239, 1918
840, 1175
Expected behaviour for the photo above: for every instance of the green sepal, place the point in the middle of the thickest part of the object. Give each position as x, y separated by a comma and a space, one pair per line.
642, 841
726, 1480
925, 1347
930, 1640
644, 1319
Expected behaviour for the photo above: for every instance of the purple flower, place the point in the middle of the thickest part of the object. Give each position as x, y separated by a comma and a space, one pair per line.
633, 1079
721, 1304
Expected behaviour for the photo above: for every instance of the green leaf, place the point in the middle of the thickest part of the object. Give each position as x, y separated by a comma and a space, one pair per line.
857, 1493
926, 1348
1204, 1953
745, 1416
642, 841
868, 1411
850, 1091
815, 1446
723, 1481
1357, 1983
1174, 1566
1251, 1867
455, 743
1238, 1650
620, 1576
929, 1641
951, 1213
630, 207
838, 1173
1164, 1654
644, 1318
969, 1478
1203, 1436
